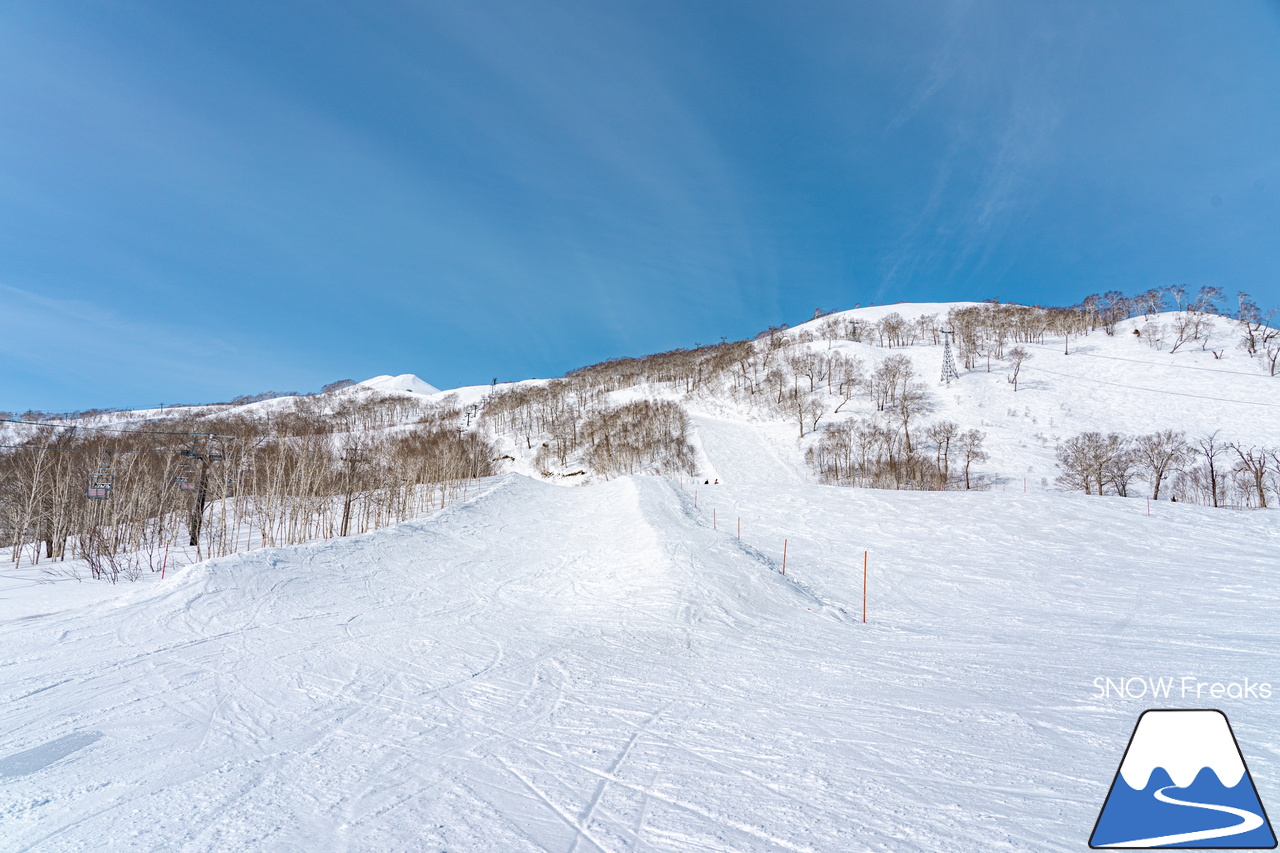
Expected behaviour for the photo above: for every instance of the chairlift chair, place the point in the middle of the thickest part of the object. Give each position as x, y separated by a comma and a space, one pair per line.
99, 487
185, 479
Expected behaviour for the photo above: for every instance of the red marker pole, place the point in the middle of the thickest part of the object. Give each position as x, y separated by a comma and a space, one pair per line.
166, 560
784, 556
864, 587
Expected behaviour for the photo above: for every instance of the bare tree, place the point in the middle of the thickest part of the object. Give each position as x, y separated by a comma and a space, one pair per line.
1114, 307
889, 380
1149, 303
1255, 325
1211, 447
1092, 461
911, 403
805, 363
833, 329
1271, 351
1122, 467
970, 444
1017, 356
638, 436
1190, 326
846, 377
1161, 453
943, 434
893, 330
813, 410
1253, 463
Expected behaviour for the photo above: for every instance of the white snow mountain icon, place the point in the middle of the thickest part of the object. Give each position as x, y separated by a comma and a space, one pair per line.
1183, 783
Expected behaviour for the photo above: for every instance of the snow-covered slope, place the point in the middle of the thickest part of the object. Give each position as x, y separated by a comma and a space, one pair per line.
624, 666
1101, 383
599, 669
403, 382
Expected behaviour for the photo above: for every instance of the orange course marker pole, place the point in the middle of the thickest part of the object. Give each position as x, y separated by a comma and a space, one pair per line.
784, 556
864, 587
713, 518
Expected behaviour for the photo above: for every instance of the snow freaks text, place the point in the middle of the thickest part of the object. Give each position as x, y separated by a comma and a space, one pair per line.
1178, 687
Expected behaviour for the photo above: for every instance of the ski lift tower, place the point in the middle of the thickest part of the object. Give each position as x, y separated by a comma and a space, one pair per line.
949, 372
213, 450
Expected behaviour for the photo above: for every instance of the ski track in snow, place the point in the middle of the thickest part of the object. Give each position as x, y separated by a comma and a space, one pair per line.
595, 668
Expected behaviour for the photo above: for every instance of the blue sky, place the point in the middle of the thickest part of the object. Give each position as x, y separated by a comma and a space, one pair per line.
202, 200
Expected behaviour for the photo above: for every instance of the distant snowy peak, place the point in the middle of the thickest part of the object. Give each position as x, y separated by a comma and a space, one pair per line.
1183, 743
403, 382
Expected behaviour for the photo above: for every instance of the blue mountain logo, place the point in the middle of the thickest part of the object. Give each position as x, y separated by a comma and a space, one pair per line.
1183, 783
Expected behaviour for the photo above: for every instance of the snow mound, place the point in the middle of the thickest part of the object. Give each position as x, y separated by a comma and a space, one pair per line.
403, 382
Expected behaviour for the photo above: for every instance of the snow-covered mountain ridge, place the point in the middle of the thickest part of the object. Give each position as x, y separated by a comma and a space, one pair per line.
1125, 376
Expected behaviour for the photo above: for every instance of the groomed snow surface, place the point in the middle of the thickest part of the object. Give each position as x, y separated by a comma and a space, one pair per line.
579, 669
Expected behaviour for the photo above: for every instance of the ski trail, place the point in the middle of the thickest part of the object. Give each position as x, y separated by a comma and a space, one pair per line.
1248, 822
487, 678
580, 829
740, 452
585, 819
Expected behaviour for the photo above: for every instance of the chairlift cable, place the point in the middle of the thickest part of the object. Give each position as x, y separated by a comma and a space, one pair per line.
77, 449
1159, 390
1078, 353
112, 429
